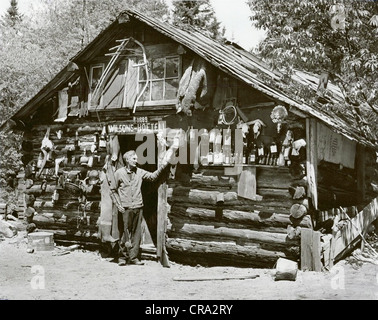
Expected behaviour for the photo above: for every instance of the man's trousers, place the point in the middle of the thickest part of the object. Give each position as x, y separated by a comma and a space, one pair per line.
132, 234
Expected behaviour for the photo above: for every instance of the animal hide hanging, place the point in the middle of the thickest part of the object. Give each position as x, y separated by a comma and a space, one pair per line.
196, 87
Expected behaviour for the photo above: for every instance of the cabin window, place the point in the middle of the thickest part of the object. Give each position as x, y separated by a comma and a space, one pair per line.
163, 79
94, 78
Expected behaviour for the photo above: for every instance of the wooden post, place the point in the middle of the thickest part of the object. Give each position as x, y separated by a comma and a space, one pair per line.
360, 164
310, 250
161, 252
312, 160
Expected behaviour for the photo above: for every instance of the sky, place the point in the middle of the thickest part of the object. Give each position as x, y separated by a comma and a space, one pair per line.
233, 15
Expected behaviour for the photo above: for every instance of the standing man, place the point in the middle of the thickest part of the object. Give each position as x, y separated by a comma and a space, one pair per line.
128, 183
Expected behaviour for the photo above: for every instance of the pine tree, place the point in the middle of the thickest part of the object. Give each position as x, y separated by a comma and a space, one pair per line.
12, 16
198, 14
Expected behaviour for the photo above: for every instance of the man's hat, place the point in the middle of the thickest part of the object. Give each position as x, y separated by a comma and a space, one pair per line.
93, 177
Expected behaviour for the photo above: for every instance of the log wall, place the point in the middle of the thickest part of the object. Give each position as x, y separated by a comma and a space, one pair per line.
239, 231
65, 216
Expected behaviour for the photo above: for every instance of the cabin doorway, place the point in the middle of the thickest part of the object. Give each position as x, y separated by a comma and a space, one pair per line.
149, 193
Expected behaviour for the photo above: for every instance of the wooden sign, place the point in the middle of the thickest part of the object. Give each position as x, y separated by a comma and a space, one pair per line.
139, 125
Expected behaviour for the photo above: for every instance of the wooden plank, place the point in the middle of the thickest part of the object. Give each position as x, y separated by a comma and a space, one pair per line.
161, 252
247, 183
354, 228
132, 83
316, 254
312, 160
360, 164
214, 277
327, 251
310, 250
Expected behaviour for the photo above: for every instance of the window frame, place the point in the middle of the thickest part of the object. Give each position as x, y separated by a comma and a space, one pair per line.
164, 79
91, 68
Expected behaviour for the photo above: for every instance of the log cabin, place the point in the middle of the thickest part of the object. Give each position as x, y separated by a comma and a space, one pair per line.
261, 174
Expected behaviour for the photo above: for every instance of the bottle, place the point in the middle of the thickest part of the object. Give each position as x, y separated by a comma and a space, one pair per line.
211, 147
268, 159
39, 161
286, 155
96, 141
77, 142
218, 155
281, 158
193, 144
245, 155
55, 196
226, 156
204, 148
227, 146
210, 155
274, 154
261, 154
102, 142
252, 154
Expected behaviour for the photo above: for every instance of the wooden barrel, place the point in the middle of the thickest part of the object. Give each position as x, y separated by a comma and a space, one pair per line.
41, 241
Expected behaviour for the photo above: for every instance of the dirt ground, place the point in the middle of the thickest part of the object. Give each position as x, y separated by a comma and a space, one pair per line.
85, 275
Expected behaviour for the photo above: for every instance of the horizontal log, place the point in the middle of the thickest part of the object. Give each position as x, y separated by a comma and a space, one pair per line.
274, 222
208, 253
71, 211
83, 243
186, 194
273, 177
201, 181
217, 232
68, 128
65, 197
73, 235
277, 198
56, 221
280, 195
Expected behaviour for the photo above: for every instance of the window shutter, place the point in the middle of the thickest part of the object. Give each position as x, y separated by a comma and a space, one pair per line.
131, 86
113, 89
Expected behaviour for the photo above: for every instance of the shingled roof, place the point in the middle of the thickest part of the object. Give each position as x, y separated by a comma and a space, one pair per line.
241, 64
